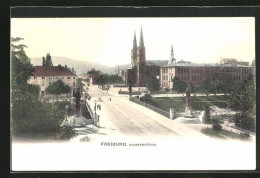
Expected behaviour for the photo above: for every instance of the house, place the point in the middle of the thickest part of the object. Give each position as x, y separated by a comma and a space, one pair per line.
43, 76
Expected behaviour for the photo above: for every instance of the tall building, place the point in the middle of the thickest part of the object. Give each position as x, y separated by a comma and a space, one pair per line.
141, 72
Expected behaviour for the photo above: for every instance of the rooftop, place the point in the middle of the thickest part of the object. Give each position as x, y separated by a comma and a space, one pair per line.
189, 64
52, 71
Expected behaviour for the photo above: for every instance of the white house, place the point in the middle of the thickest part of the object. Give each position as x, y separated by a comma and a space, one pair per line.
45, 75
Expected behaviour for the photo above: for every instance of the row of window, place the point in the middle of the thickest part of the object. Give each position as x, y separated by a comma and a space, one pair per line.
74, 84
54, 77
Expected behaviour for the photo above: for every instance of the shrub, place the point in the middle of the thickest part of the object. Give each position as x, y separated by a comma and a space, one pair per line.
244, 121
65, 133
146, 98
216, 125
244, 136
206, 117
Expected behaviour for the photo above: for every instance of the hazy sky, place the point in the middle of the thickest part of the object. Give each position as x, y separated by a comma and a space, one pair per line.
109, 40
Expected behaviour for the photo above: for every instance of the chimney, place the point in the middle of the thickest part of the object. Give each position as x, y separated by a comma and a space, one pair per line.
59, 66
65, 66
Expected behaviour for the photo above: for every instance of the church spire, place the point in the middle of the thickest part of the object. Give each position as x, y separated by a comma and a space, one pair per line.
141, 44
172, 59
134, 43
172, 52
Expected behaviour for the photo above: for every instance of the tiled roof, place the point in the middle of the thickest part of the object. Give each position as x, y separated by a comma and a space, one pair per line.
52, 71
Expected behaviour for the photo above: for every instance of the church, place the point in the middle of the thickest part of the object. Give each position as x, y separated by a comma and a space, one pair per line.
142, 72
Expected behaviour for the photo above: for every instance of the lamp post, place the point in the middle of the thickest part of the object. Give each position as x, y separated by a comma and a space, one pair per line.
95, 108
66, 114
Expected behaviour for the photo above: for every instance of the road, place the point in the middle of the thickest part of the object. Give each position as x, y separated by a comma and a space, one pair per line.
127, 119
131, 119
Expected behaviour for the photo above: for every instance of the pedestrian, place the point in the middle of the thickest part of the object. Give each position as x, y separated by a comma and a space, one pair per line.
98, 118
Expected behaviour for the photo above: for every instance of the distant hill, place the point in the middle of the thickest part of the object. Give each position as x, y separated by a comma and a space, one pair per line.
84, 66
79, 66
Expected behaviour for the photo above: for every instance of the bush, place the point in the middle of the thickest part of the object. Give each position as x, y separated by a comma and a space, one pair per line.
216, 125
244, 121
65, 133
146, 98
244, 136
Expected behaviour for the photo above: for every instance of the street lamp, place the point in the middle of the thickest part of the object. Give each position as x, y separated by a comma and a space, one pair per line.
95, 108
66, 114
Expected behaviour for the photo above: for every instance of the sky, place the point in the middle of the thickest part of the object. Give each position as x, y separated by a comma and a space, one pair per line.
109, 41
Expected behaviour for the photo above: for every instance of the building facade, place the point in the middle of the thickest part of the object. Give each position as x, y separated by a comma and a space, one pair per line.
196, 74
43, 76
142, 72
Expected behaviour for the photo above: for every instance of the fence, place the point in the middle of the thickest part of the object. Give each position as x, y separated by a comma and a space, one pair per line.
127, 92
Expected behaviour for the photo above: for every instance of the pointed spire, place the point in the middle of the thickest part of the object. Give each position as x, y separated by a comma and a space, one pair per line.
172, 51
141, 44
134, 43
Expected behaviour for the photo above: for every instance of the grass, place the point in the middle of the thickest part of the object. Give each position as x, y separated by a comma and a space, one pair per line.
222, 134
197, 102
212, 133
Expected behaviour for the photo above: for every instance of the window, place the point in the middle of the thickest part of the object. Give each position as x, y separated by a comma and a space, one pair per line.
43, 77
35, 77
50, 77
49, 83
74, 84
42, 84
73, 77
62, 77
56, 77
68, 77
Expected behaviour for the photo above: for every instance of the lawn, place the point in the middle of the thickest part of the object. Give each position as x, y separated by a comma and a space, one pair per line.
197, 102
222, 134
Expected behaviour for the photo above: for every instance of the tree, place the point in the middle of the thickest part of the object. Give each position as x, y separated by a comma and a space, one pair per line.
205, 88
206, 117
243, 101
154, 86
179, 86
48, 60
57, 88
43, 61
30, 117
225, 85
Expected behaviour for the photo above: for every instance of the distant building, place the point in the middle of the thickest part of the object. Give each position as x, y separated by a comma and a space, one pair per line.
94, 74
141, 72
198, 73
43, 76
233, 61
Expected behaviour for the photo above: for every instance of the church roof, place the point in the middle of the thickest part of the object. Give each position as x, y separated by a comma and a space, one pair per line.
156, 62
52, 71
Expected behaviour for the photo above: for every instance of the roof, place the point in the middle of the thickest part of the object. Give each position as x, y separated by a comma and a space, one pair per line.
156, 62
188, 64
52, 71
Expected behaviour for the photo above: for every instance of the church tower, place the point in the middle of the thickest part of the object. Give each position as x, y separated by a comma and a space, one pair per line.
140, 72
134, 52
